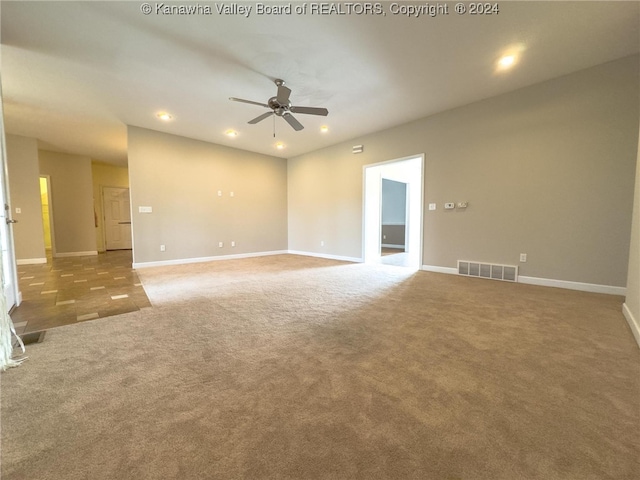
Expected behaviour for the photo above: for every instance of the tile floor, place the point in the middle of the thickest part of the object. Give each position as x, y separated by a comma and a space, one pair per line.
77, 289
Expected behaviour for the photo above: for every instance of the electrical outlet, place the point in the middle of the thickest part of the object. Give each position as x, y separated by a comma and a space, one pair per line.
523, 257
462, 204
322, 243
231, 194
233, 244
162, 248
219, 193
384, 237
18, 210
432, 206
220, 244
449, 206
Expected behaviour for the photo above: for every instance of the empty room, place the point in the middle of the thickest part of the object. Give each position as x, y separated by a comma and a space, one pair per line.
320, 240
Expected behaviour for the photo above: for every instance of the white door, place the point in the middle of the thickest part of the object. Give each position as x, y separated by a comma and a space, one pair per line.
117, 218
10, 281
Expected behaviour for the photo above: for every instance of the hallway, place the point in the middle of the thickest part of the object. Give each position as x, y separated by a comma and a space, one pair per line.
76, 289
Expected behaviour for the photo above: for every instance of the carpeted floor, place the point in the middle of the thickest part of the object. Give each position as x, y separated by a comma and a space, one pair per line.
300, 368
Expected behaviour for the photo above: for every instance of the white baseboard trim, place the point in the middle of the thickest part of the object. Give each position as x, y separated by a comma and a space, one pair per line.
391, 245
436, 269
184, 261
76, 254
326, 255
583, 287
31, 261
633, 322
546, 282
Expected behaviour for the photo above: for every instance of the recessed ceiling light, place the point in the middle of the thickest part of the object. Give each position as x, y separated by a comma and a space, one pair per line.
507, 61
231, 133
510, 56
279, 145
324, 129
164, 116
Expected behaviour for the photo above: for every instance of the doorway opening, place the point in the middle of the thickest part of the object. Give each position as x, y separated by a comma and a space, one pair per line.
47, 217
393, 212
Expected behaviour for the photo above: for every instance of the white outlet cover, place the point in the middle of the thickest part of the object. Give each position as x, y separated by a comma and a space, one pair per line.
220, 244
449, 206
18, 210
219, 193
432, 206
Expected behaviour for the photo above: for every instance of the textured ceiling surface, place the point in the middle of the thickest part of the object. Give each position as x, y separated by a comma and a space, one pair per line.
75, 74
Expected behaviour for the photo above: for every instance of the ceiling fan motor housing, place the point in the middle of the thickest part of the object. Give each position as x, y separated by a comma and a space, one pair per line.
278, 108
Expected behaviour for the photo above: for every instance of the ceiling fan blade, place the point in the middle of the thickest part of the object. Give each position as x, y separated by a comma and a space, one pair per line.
310, 111
260, 118
283, 95
234, 99
291, 120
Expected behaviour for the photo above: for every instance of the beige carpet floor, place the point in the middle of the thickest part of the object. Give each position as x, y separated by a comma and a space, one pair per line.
300, 368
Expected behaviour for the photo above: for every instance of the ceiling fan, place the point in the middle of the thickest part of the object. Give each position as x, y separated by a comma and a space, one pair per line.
281, 106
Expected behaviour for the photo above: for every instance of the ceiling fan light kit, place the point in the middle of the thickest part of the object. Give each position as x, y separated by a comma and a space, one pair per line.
280, 106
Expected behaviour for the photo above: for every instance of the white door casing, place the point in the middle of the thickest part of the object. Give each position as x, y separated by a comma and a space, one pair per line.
409, 170
9, 271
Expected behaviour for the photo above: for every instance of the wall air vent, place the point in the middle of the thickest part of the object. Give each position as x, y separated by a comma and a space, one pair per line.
507, 273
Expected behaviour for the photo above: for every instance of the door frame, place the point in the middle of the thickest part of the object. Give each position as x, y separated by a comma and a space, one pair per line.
5, 215
372, 199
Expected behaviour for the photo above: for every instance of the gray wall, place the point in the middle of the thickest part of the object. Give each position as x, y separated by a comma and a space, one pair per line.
547, 170
24, 188
393, 235
71, 202
394, 202
180, 177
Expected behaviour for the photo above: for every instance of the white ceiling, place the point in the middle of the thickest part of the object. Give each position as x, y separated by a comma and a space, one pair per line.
74, 74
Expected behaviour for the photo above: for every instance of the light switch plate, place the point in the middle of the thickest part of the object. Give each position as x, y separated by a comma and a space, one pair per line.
145, 210
432, 206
